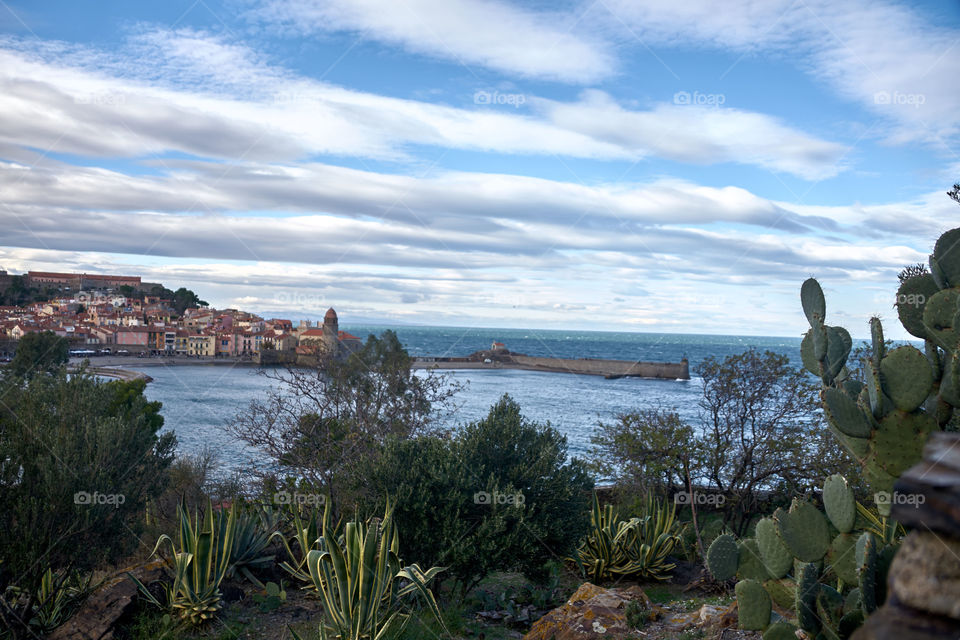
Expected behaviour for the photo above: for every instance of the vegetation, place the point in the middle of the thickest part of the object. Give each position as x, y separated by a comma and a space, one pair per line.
758, 433
636, 548
828, 582
322, 425
499, 495
358, 576
41, 352
181, 299
80, 460
198, 564
19, 294
884, 420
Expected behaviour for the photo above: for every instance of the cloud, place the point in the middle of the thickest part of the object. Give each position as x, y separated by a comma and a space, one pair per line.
885, 56
60, 99
473, 33
699, 135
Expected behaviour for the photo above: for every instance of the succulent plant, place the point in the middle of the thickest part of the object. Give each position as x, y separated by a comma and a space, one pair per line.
907, 392
753, 605
723, 557
812, 565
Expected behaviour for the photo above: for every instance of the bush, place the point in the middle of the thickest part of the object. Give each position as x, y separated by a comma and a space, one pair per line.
79, 459
499, 495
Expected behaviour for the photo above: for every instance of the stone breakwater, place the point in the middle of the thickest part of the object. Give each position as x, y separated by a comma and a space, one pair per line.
502, 359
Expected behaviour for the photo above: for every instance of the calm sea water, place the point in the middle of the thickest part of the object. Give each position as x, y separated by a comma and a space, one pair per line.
199, 400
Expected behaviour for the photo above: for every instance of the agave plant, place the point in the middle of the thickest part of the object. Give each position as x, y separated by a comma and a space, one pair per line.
198, 565
58, 597
637, 547
305, 538
255, 529
361, 583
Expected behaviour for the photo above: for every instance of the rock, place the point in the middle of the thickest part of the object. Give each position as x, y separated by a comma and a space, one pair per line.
591, 612
100, 612
925, 573
894, 621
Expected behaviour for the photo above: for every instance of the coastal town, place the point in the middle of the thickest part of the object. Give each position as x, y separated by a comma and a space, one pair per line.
115, 315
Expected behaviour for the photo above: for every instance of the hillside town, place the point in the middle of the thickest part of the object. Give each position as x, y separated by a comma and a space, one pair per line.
97, 318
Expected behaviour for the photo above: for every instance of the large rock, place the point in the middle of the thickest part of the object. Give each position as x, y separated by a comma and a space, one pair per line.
591, 612
925, 573
98, 615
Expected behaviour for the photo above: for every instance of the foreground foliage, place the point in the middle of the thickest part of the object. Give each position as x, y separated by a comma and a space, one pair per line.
79, 460
500, 495
198, 564
829, 583
359, 577
636, 548
884, 419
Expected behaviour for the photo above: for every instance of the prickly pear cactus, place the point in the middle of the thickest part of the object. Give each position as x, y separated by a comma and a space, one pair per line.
812, 565
907, 392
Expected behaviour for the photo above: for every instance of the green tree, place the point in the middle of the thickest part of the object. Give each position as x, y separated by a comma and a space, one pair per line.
79, 459
320, 424
501, 494
39, 352
759, 433
644, 452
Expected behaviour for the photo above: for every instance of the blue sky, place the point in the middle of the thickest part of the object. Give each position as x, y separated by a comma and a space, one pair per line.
644, 166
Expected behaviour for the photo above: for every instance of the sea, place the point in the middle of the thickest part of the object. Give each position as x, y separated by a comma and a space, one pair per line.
198, 401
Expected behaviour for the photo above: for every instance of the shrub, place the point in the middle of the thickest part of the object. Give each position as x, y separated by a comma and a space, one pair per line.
78, 461
499, 495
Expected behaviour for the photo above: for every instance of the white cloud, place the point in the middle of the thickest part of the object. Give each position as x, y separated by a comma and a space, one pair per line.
256, 112
882, 55
482, 33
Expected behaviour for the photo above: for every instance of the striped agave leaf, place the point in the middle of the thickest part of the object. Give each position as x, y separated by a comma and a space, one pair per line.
637, 547
359, 578
198, 565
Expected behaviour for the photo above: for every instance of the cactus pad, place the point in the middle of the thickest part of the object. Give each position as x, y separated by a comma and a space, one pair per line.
812, 301
804, 530
946, 253
776, 556
839, 503
723, 557
938, 318
842, 557
912, 296
906, 377
843, 412
829, 609
898, 443
839, 344
783, 592
780, 631
808, 586
807, 356
753, 605
750, 565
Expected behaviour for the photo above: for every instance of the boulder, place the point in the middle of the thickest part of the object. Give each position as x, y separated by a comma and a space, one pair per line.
98, 615
591, 612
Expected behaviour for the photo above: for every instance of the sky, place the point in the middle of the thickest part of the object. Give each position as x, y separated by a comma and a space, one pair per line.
652, 165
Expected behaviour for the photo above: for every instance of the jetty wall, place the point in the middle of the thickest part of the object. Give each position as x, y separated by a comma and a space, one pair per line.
610, 368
